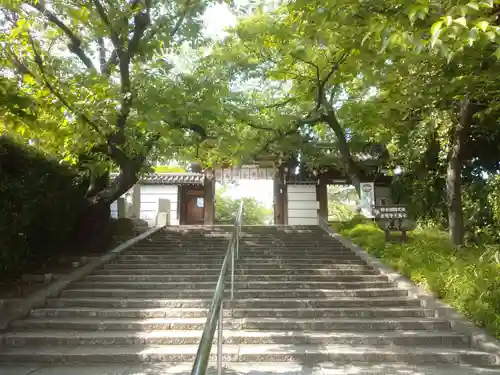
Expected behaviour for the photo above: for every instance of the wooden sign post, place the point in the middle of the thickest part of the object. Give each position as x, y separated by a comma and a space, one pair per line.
392, 218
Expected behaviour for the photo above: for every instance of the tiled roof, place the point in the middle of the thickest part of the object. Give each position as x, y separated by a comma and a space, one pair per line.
170, 178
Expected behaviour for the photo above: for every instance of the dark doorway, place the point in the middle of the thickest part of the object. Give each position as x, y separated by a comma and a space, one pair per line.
193, 208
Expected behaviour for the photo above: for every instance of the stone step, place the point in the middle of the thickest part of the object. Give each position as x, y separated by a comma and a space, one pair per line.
267, 303
115, 270
238, 285
290, 324
340, 354
266, 253
239, 293
86, 312
312, 262
261, 266
255, 368
242, 263
296, 254
192, 337
179, 247
407, 338
214, 277
251, 259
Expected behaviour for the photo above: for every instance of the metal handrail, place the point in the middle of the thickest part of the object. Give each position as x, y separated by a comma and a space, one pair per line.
216, 312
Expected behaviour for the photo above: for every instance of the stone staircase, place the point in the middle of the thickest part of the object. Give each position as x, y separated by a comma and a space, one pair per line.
303, 304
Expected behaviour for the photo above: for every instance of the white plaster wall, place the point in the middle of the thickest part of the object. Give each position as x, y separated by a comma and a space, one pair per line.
302, 205
114, 210
150, 194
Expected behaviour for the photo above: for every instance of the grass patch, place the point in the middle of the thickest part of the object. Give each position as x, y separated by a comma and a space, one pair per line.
466, 278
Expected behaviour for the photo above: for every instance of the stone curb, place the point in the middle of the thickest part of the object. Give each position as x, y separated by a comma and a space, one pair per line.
21, 308
479, 337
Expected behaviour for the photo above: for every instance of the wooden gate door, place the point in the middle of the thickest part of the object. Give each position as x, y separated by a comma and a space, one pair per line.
195, 210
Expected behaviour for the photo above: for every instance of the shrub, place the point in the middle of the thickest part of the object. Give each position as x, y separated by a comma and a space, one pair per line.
466, 278
40, 202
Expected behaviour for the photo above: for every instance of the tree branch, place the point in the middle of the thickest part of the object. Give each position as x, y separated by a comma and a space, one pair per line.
177, 25
112, 61
318, 79
141, 22
102, 54
52, 89
200, 130
180, 20
252, 125
115, 38
277, 105
75, 42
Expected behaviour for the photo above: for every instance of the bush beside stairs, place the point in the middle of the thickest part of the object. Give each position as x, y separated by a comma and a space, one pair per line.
303, 304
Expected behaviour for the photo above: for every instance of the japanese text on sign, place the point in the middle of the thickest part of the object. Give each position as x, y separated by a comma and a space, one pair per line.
390, 212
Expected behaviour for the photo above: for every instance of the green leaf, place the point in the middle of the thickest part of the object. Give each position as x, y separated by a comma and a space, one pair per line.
497, 53
448, 20
412, 15
473, 5
483, 25
472, 36
436, 28
486, 4
461, 21
365, 38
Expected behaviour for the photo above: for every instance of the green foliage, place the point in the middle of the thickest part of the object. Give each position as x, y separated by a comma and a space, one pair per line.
341, 202
168, 169
41, 201
254, 212
106, 92
467, 278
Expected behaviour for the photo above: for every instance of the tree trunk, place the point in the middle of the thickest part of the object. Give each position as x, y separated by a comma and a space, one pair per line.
279, 198
351, 168
209, 200
454, 173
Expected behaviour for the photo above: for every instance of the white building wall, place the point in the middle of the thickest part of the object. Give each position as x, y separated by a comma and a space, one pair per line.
150, 195
114, 210
302, 205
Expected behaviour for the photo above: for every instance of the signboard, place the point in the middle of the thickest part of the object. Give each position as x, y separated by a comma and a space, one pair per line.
391, 218
245, 172
367, 198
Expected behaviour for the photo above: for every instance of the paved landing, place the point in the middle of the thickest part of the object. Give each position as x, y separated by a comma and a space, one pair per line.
244, 369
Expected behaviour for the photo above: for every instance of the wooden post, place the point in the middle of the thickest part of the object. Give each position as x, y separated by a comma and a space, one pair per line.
136, 201
279, 199
209, 198
322, 198
121, 207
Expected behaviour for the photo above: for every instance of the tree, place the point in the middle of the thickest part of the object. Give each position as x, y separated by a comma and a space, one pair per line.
342, 202
100, 71
254, 212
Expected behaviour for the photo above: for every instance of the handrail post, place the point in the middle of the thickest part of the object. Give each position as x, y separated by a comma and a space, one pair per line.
232, 274
220, 338
238, 231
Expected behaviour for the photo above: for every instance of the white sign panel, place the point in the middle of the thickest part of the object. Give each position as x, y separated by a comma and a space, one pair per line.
367, 199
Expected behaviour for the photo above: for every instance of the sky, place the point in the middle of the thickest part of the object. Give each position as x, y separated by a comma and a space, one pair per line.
216, 18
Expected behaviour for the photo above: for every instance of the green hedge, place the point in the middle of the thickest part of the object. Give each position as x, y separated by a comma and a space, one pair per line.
40, 202
466, 278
